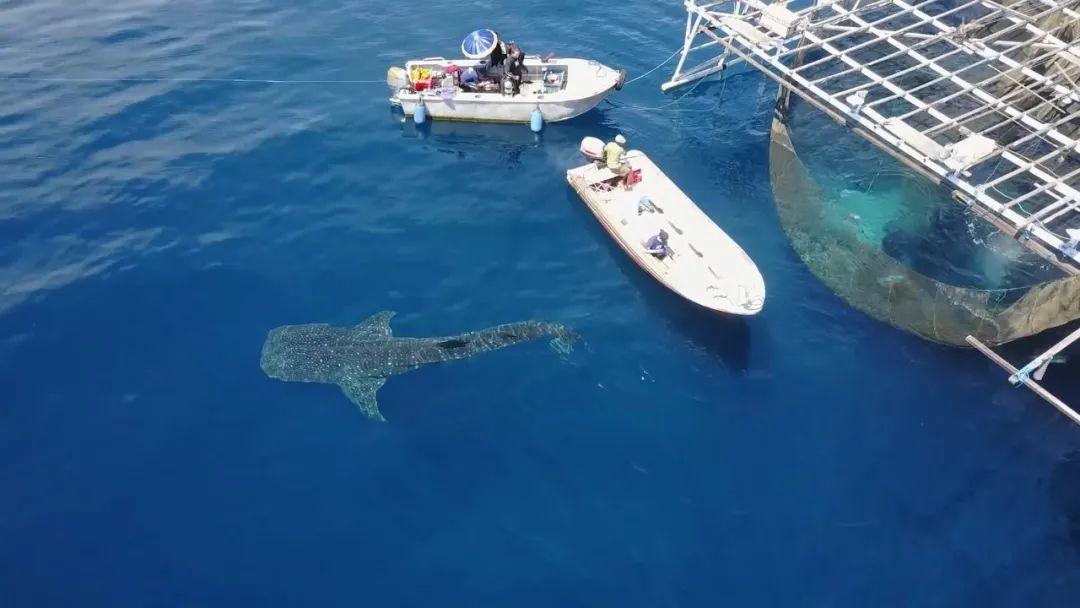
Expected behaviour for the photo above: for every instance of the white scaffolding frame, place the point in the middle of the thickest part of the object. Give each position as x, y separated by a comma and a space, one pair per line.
978, 95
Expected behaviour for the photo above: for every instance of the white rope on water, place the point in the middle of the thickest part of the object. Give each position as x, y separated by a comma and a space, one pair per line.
192, 80
48, 79
658, 66
670, 103
247, 80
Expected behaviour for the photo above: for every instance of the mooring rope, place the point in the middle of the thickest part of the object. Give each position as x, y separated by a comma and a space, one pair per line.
247, 80
174, 79
657, 67
670, 103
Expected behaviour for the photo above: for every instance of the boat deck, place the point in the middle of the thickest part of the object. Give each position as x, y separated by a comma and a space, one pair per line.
706, 266
579, 78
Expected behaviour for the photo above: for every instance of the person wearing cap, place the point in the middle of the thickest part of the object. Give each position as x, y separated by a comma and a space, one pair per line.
615, 159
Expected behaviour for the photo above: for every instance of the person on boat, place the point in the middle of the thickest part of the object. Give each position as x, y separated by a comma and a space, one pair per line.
470, 79
657, 245
615, 159
494, 61
514, 66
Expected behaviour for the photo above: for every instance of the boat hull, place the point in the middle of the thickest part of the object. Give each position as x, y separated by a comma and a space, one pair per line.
471, 107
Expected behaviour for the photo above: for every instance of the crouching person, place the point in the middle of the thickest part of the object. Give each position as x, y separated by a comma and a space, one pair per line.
657, 245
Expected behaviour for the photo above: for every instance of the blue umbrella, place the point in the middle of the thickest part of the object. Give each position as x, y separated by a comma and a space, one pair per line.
479, 44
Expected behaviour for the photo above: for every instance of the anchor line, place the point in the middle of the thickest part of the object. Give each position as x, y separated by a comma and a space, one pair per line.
176, 79
658, 66
670, 103
242, 80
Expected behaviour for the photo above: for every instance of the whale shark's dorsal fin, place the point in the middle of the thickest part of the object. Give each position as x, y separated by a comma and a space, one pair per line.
361, 391
377, 324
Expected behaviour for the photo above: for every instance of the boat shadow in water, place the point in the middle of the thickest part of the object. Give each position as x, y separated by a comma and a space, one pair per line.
721, 337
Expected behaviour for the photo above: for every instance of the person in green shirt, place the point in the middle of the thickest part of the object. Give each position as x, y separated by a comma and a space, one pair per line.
615, 159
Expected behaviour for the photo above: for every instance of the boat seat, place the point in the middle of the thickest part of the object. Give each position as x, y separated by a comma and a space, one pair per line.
604, 174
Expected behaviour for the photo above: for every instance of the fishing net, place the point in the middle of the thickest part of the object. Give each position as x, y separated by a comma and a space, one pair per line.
859, 270
896, 246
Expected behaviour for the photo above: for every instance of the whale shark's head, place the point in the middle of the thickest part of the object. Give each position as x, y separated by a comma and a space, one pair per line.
563, 338
293, 352
275, 354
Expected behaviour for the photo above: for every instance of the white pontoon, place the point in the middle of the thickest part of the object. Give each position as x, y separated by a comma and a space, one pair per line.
704, 265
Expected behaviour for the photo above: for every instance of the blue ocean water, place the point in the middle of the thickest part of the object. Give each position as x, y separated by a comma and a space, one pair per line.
151, 232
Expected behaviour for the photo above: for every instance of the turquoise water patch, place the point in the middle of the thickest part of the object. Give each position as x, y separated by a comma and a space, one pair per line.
917, 223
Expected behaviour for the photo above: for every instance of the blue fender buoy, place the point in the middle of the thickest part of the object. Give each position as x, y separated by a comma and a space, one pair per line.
536, 120
420, 113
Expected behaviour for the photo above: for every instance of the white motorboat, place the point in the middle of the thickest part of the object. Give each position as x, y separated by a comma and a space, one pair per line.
497, 82
559, 88
702, 263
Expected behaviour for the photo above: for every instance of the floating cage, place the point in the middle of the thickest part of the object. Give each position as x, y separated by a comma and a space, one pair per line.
900, 249
978, 97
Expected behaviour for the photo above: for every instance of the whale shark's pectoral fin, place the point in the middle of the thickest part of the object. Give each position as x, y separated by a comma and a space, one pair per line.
361, 391
377, 324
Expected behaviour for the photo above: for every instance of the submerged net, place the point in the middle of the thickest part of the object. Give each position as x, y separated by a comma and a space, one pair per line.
899, 248
851, 259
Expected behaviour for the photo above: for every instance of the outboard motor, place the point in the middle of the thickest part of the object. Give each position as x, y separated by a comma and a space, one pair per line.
592, 148
396, 78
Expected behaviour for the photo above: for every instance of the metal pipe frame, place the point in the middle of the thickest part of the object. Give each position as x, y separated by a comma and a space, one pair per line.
870, 124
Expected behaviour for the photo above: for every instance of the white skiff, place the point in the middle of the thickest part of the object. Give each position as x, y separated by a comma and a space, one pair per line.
560, 88
705, 266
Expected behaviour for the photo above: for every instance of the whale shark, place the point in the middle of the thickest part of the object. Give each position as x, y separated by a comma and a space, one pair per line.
359, 359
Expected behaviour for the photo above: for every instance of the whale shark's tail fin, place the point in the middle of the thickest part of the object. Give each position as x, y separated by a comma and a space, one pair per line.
361, 391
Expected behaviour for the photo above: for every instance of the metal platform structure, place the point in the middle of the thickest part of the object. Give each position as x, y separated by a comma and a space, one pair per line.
980, 96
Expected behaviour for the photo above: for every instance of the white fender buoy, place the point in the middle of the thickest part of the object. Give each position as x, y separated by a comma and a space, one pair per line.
420, 113
536, 120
